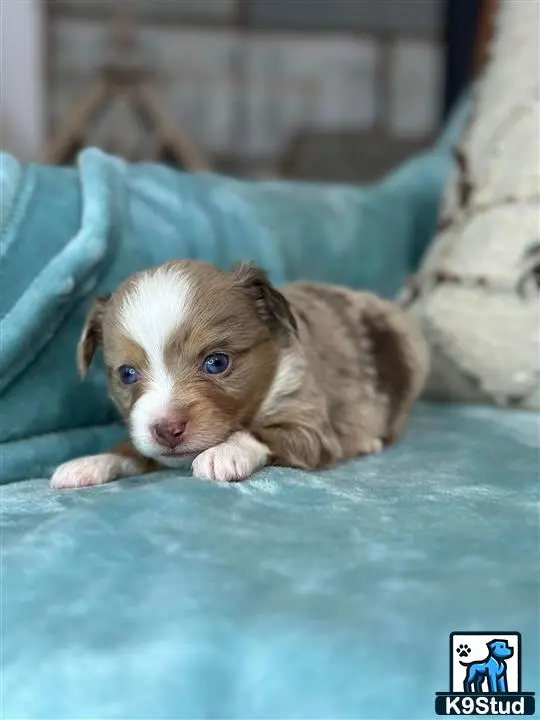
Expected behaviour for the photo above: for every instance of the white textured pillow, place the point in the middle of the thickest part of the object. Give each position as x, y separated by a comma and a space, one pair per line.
477, 293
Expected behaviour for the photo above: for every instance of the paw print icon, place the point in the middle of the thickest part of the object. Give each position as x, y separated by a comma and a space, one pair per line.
463, 651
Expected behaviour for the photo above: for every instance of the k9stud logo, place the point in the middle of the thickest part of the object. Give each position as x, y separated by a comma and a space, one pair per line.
485, 676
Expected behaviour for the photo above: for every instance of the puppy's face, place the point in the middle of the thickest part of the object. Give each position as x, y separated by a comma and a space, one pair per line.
190, 353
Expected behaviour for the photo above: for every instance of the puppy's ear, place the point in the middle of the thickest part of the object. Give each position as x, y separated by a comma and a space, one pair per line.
272, 307
92, 334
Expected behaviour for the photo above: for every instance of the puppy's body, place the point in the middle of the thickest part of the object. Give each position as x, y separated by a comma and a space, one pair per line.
363, 363
315, 373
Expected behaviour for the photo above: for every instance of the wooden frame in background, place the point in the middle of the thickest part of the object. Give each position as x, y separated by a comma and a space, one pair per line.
484, 33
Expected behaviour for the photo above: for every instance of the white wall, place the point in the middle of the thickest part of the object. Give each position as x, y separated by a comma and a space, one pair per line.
22, 78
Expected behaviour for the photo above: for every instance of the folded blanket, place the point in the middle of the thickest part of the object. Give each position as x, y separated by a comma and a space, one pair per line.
68, 234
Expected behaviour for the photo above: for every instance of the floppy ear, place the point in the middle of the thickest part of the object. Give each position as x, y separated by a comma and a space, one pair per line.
92, 334
272, 307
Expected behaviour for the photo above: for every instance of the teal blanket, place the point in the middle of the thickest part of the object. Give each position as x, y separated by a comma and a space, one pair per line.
68, 234
294, 596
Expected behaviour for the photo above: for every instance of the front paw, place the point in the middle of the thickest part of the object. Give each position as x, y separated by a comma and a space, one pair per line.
85, 472
370, 446
235, 459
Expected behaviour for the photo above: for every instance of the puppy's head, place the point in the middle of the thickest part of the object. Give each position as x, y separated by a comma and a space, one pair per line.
190, 353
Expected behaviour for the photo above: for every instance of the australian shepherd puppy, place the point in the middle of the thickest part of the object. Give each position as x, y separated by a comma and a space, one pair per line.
222, 370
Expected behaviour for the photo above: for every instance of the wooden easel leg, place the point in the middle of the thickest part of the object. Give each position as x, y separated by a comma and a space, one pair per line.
92, 104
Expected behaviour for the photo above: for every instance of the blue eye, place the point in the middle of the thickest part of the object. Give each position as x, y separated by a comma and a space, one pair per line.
216, 363
128, 374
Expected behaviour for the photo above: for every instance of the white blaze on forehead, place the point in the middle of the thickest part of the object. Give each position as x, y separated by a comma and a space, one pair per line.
155, 308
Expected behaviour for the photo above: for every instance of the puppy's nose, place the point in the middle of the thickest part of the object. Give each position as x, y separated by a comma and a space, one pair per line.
169, 432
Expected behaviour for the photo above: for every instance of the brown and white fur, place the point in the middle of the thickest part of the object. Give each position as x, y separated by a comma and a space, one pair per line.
317, 373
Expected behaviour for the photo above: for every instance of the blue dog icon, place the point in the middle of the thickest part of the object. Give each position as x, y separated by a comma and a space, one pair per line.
492, 669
